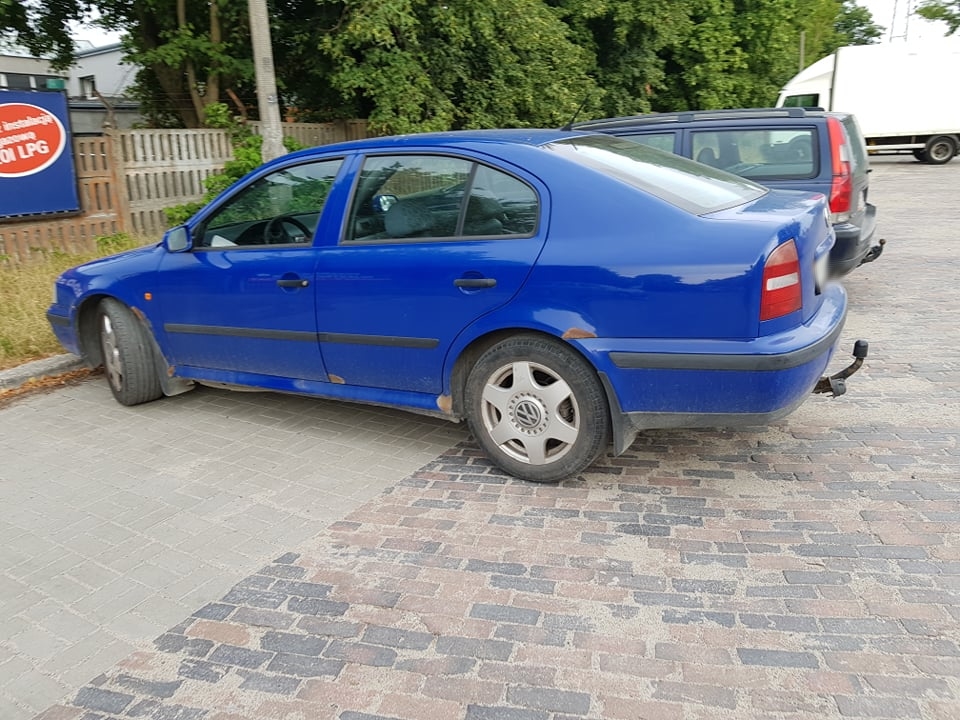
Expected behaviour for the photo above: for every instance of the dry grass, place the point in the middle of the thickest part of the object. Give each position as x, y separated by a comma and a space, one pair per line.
26, 292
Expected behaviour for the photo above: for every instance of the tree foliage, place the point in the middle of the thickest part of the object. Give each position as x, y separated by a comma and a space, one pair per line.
42, 27
413, 65
946, 10
189, 52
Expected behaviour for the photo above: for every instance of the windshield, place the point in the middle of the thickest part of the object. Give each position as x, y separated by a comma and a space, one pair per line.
689, 185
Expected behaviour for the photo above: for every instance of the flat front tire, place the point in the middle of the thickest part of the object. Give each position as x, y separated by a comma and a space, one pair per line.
128, 360
537, 408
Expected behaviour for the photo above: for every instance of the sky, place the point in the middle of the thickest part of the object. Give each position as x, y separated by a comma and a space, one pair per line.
900, 24
894, 15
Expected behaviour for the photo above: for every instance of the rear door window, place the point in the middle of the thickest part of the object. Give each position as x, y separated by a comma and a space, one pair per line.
759, 154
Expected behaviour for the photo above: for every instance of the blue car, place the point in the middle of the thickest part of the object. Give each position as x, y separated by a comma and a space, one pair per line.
557, 290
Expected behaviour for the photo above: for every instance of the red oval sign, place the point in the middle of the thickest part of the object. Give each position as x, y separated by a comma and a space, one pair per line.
31, 138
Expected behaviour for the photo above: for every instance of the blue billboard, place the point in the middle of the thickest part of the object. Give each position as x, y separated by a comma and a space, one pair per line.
37, 174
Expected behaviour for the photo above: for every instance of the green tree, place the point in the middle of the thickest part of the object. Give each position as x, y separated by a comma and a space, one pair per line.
189, 52
946, 10
855, 25
414, 65
42, 27
626, 41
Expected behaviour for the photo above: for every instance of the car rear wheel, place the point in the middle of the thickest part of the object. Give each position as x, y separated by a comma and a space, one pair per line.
940, 149
537, 408
128, 360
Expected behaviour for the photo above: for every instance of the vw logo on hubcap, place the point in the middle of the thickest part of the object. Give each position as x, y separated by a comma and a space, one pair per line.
528, 414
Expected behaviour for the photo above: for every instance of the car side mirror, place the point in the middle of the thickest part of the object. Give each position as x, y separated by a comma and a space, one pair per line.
177, 239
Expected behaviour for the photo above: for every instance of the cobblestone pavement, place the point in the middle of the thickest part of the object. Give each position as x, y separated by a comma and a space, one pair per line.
807, 570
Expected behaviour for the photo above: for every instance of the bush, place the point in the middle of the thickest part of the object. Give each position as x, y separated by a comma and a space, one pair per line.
247, 156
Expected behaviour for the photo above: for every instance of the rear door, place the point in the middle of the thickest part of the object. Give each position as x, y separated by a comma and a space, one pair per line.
431, 243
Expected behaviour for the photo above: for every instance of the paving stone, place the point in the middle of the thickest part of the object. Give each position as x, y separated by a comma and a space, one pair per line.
777, 658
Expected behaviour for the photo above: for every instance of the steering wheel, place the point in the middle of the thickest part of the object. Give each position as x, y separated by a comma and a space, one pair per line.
274, 232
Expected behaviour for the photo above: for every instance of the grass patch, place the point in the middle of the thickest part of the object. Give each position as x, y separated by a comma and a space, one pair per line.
26, 292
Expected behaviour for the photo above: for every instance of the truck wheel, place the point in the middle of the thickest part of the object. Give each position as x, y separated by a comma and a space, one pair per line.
537, 408
940, 149
920, 155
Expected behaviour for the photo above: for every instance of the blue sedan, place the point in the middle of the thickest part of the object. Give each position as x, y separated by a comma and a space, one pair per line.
557, 290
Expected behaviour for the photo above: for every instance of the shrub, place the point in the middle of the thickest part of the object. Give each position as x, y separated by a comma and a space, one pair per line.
247, 156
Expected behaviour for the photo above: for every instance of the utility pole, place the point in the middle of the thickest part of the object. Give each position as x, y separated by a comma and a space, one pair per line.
267, 99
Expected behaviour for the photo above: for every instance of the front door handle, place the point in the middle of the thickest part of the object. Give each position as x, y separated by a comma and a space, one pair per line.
475, 282
293, 283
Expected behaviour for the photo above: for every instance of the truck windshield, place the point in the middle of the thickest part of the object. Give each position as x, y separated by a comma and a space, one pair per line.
691, 186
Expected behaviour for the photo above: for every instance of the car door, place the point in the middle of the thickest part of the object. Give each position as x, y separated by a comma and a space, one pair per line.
431, 243
242, 299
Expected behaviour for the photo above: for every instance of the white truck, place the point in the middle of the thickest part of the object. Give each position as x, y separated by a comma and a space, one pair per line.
903, 94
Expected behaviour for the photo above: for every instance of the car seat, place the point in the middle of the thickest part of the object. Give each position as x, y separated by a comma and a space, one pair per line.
708, 157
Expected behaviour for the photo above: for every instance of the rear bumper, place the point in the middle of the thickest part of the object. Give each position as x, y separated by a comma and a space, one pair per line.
712, 383
854, 243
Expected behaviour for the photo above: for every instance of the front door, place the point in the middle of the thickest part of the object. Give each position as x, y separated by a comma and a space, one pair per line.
243, 299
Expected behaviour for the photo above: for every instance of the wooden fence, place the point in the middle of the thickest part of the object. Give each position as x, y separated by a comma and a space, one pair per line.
126, 178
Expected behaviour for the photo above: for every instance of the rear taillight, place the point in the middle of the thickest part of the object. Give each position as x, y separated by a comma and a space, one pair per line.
841, 186
781, 292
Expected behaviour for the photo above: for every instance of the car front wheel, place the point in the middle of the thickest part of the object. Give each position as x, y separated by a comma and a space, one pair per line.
537, 408
127, 355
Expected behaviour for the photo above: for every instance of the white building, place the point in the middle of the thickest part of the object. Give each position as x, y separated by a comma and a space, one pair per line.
96, 85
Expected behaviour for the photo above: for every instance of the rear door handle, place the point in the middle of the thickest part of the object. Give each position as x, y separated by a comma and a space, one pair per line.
475, 282
293, 283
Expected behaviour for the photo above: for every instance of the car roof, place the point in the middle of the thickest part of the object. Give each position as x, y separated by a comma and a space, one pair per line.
453, 138
692, 116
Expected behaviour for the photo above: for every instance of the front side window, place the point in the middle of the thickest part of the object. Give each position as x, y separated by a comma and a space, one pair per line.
282, 208
759, 154
415, 197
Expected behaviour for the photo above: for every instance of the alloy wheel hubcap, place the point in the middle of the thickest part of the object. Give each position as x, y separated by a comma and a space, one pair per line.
530, 412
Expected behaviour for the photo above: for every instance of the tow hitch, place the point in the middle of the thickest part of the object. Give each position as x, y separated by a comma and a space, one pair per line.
874, 253
836, 383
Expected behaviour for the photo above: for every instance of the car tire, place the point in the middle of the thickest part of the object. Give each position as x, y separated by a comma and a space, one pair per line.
128, 355
940, 149
537, 408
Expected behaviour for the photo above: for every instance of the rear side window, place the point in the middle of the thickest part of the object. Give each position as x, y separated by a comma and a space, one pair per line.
421, 198
857, 143
658, 141
692, 187
759, 154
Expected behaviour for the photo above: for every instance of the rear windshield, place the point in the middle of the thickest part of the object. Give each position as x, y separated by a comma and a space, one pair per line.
760, 154
693, 187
